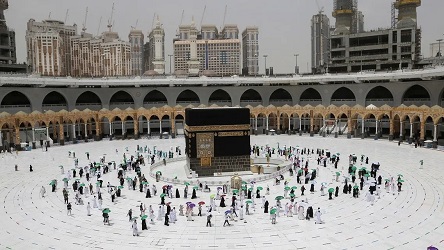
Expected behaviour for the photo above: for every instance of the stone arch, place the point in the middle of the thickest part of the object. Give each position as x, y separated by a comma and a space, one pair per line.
379, 96
121, 99
88, 100
220, 97
55, 101
155, 98
280, 97
14, 99
310, 96
417, 95
343, 95
250, 97
188, 97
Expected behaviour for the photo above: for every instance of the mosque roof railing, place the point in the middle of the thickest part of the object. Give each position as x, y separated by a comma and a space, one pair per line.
171, 81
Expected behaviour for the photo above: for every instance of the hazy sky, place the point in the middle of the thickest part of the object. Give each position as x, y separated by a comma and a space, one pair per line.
284, 25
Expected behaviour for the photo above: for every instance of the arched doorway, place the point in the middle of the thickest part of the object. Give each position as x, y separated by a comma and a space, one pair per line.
379, 96
220, 97
54, 101
310, 96
88, 100
343, 96
121, 100
188, 97
155, 98
281, 97
250, 97
14, 102
416, 95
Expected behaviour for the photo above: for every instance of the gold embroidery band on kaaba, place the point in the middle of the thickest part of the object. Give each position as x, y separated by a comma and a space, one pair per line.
217, 127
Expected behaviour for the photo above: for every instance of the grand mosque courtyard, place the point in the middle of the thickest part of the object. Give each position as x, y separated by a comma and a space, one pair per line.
410, 219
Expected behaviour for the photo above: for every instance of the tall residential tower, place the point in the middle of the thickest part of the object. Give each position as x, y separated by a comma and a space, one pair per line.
320, 42
49, 47
250, 51
136, 39
156, 54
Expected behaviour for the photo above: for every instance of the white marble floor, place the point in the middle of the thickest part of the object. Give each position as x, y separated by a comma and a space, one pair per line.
413, 219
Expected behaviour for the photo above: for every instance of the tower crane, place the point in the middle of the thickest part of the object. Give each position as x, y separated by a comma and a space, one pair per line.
84, 21
110, 21
203, 15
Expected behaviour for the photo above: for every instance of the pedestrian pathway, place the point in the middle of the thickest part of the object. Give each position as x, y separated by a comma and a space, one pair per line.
412, 219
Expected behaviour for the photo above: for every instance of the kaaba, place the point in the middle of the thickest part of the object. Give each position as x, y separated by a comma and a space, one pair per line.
217, 140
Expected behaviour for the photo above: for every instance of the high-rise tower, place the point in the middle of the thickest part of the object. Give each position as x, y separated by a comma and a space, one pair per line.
157, 48
343, 11
136, 40
320, 45
8, 57
407, 16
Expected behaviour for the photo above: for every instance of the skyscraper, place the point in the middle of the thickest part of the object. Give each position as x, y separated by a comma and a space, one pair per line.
207, 52
320, 43
136, 39
156, 58
250, 51
8, 58
106, 55
49, 47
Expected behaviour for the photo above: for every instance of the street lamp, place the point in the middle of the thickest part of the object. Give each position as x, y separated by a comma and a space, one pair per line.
265, 56
439, 47
296, 70
170, 62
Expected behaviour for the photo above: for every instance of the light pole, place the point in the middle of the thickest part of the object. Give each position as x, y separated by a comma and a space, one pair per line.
296, 70
265, 57
170, 62
439, 47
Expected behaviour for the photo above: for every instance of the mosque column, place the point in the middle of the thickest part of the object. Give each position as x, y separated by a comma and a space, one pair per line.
17, 137
411, 133
255, 124
376, 133
392, 126
86, 131
74, 136
148, 125
435, 135
422, 132
289, 125
98, 131
173, 127
110, 129
123, 129
160, 128
278, 124
337, 128
349, 127
136, 128
362, 128
311, 126
300, 123
400, 130
61, 134
266, 124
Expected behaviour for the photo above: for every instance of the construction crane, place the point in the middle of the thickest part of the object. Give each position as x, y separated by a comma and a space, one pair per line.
98, 28
203, 15
110, 21
320, 9
135, 27
84, 21
181, 20
225, 15
66, 15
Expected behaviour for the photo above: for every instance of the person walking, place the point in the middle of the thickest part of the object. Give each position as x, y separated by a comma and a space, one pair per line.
69, 207
130, 214
226, 220
88, 209
209, 216
134, 227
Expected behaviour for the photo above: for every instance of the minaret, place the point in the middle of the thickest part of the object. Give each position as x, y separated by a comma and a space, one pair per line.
158, 34
193, 63
407, 16
343, 12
